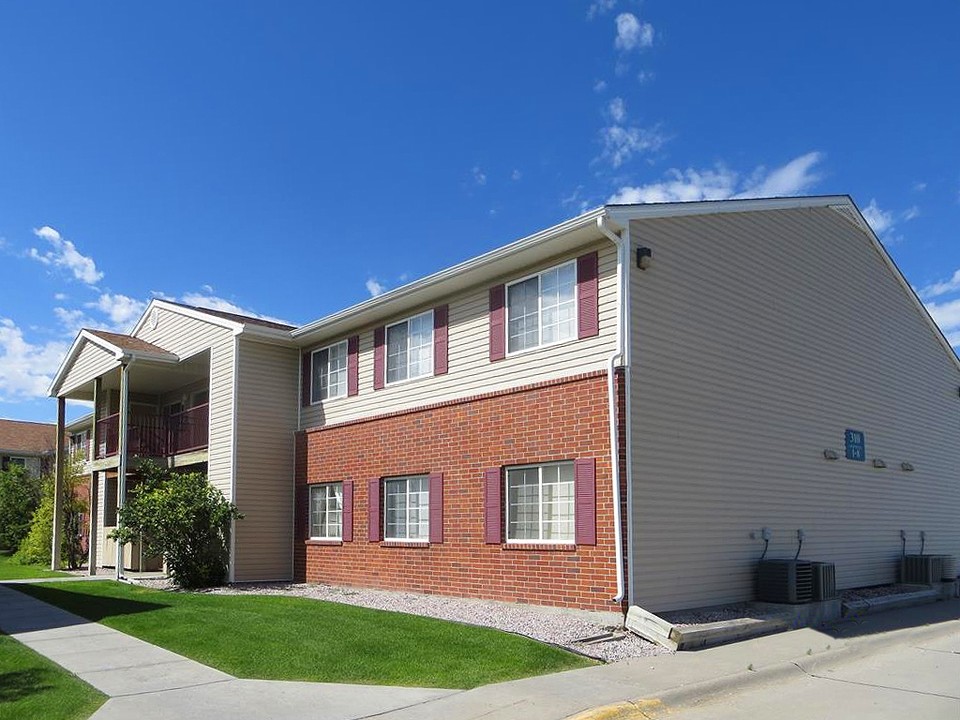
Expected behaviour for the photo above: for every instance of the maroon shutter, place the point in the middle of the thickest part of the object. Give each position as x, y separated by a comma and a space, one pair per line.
346, 532
436, 507
303, 512
492, 533
305, 366
353, 366
440, 320
588, 303
585, 495
373, 510
379, 357
498, 330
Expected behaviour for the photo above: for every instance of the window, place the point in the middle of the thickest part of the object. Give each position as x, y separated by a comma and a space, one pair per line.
326, 511
542, 310
329, 372
407, 508
540, 503
9, 462
410, 348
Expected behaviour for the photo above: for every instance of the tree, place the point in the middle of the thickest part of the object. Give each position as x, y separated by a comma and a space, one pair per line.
35, 548
19, 498
182, 517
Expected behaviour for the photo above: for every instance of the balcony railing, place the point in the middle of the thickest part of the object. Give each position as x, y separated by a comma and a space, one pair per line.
155, 435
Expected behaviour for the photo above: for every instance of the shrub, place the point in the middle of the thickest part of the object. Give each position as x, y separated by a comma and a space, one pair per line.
182, 517
19, 497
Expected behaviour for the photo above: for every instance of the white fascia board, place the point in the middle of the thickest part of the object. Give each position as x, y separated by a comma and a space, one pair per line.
625, 213
273, 336
67, 362
589, 218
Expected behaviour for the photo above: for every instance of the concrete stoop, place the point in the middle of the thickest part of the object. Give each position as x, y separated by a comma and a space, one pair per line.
768, 618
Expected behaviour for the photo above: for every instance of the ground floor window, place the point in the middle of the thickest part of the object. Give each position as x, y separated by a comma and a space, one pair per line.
326, 511
407, 508
540, 504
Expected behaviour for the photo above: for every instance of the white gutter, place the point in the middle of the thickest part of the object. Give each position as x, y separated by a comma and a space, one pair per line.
623, 252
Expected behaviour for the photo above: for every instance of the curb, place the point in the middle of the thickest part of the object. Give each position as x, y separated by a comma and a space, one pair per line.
651, 708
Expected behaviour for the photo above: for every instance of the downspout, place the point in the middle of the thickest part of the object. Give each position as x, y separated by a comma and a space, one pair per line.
623, 251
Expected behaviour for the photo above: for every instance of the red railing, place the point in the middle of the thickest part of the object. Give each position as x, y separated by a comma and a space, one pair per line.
155, 435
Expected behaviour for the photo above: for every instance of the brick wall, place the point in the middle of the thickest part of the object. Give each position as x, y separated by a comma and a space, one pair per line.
561, 420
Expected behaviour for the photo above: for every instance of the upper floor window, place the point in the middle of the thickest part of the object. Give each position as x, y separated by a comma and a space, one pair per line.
326, 511
542, 310
329, 372
410, 348
9, 462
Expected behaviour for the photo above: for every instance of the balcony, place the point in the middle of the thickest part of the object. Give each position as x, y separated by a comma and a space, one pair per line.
155, 435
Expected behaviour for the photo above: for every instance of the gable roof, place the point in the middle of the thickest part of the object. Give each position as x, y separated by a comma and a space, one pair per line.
29, 438
235, 317
127, 342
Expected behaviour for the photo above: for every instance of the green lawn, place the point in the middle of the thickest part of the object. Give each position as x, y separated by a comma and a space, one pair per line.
286, 638
9, 570
33, 687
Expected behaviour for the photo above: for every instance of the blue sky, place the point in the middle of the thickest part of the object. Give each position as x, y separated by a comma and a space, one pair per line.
291, 159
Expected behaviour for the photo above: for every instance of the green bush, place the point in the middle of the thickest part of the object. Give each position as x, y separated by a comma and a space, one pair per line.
182, 517
35, 548
19, 497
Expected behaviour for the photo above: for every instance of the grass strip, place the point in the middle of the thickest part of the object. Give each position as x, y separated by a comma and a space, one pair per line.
288, 638
10, 570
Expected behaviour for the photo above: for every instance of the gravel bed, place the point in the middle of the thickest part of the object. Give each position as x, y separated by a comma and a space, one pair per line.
701, 616
544, 625
869, 593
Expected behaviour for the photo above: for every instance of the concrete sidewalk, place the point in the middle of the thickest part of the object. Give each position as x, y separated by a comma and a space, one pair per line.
149, 683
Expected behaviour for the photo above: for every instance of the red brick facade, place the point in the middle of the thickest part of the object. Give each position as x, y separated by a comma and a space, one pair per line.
562, 420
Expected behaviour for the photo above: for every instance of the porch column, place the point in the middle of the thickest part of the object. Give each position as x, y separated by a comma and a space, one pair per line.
122, 453
58, 486
93, 536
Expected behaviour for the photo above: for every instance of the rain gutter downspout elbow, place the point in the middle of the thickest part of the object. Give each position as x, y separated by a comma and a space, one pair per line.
617, 355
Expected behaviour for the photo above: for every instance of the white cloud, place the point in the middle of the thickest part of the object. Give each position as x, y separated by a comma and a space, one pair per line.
617, 109
645, 76
621, 143
207, 289
516, 175
721, 183
919, 186
947, 316
600, 7
941, 288
632, 33
479, 176
74, 321
374, 287
65, 255
60, 296
121, 310
911, 213
599, 86
26, 370
879, 220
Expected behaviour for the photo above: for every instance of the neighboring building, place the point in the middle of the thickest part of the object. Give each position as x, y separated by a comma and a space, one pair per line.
604, 411
31, 445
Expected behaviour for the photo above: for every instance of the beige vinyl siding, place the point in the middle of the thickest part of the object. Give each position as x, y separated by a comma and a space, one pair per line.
470, 371
187, 336
91, 362
757, 339
266, 421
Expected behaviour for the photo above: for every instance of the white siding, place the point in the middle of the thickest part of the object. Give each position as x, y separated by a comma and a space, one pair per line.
266, 421
186, 336
470, 370
91, 362
758, 338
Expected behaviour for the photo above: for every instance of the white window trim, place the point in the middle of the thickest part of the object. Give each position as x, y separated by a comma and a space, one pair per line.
386, 351
506, 506
506, 311
346, 354
310, 512
383, 489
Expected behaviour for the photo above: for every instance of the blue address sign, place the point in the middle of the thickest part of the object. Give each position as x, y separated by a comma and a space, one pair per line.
855, 445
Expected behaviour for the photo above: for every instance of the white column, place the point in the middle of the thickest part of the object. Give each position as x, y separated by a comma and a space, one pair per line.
122, 452
93, 536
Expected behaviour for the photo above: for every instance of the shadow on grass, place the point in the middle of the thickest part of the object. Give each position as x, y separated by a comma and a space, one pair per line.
90, 607
18, 684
